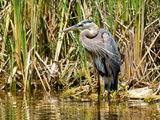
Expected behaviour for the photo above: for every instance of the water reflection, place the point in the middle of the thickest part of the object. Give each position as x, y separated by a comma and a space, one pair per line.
45, 107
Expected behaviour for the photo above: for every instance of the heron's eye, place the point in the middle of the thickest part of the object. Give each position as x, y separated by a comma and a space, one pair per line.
80, 25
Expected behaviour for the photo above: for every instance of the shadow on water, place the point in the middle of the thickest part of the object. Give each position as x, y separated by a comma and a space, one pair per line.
44, 107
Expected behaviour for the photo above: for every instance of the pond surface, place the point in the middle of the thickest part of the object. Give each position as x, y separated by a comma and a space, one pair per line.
45, 107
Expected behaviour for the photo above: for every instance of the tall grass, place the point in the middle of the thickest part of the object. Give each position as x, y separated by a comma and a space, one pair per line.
37, 51
19, 33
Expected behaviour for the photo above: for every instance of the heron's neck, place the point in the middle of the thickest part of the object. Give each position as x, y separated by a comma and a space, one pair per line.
87, 37
90, 33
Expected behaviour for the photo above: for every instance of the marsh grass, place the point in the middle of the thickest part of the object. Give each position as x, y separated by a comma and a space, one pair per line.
39, 55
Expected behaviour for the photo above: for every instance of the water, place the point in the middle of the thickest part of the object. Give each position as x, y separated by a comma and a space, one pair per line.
44, 107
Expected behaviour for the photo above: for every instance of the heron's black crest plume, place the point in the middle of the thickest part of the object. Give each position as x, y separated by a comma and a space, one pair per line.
86, 21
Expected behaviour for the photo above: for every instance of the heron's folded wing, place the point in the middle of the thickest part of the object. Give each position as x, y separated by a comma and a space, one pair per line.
111, 47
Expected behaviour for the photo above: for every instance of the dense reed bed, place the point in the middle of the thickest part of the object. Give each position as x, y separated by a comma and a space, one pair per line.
34, 53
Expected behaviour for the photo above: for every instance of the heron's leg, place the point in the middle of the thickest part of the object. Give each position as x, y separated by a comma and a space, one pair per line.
109, 92
110, 82
105, 83
98, 83
104, 95
109, 97
99, 88
107, 87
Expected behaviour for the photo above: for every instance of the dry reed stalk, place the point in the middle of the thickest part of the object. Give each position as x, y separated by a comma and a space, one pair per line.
43, 84
40, 59
148, 50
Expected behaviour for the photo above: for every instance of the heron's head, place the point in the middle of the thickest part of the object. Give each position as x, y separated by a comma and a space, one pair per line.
86, 24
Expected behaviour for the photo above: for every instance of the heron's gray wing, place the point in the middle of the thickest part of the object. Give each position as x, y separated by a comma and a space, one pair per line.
110, 46
108, 70
112, 57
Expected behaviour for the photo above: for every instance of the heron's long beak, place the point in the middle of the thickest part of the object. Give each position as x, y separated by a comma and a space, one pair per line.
70, 28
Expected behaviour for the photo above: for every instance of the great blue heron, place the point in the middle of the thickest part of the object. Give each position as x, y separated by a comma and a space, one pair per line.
103, 49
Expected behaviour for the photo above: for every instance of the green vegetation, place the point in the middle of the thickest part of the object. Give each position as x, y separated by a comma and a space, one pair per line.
34, 53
